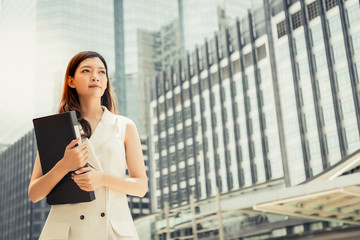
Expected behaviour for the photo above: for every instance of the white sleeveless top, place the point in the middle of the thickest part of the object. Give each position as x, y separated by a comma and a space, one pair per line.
108, 216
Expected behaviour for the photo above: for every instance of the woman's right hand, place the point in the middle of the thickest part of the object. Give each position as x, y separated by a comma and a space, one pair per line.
75, 157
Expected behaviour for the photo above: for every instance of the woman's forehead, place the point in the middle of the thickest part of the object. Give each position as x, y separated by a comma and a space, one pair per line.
94, 62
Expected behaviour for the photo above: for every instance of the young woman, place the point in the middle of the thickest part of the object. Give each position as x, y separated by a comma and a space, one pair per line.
110, 143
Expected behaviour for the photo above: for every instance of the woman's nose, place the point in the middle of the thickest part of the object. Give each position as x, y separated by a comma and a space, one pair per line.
95, 78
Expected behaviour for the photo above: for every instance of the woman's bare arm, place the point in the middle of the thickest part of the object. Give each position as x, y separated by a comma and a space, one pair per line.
89, 179
41, 185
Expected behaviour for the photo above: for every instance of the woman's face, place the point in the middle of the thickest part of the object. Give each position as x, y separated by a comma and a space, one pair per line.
90, 78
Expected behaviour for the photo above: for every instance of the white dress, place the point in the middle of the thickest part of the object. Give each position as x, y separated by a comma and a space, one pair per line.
108, 216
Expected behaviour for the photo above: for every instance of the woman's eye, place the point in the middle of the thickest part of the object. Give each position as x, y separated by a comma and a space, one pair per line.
85, 71
102, 72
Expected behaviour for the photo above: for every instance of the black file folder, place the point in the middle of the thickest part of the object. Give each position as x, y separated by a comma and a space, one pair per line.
53, 134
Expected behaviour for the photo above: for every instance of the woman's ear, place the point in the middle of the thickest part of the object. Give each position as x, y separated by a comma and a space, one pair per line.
70, 82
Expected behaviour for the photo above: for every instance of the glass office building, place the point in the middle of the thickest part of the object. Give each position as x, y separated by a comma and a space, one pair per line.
274, 97
19, 218
39, 38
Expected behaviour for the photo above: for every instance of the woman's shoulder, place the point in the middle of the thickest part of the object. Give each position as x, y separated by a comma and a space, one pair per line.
124, 119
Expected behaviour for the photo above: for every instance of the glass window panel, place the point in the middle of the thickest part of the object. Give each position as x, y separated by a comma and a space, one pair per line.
303, 69
358, 70
334, 25
332, 142
300, 46
310, 121
352, 137
343, 79
320, 61
356, 44
328, 115
283, 51
324, 86
347, 107
316, 35
354, 15
339, 52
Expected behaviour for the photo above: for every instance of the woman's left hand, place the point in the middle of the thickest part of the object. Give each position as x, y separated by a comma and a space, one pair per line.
87, 178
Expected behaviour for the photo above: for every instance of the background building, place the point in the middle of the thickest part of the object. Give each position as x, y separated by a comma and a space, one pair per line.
19, 218
270, 101
38, 39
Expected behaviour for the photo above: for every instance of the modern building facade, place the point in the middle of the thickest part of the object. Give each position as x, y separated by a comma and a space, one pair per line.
186, 22
139, 17
19, 218
41, 36
273, 98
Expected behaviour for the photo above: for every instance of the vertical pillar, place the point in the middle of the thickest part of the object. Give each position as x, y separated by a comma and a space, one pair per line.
221, 227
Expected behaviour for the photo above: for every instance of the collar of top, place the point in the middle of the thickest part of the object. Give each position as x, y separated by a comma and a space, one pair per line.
108, 117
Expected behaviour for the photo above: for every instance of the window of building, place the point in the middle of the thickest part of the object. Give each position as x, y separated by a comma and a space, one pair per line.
174, 79
329, 4
225, 72
171, 140
320, 61
171, 121
281, 30
310, 121
178, 116
214, 78
296, 20
169, 103
334, 25
355, 40
358, 71
162, 108
343, 79
181, 155
353, 14
187, 112
303, 68
162, 125
182, 174
347, 107
179, 135
316, 35
205, 83
178, 99
236, 66
299, 43
203, 123
313, 10
261, 52
338, 51
352, 137
195, 89
186, 92
248, 60
233, 88
155, 112
188, 131
173, 179
332, 143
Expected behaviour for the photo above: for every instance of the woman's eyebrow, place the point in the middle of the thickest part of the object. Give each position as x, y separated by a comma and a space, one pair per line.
91, 67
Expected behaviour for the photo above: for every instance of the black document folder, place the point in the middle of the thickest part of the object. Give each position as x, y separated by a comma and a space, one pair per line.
53, 134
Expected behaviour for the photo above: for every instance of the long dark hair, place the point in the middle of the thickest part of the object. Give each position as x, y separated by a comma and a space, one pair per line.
70, 99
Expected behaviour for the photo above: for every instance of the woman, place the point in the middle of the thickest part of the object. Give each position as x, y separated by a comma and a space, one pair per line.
110, 142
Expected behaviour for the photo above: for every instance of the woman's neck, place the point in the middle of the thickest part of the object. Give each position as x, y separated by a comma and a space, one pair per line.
91, 109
